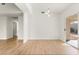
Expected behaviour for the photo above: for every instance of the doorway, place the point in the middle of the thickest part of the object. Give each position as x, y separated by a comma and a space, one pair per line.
15, 30
72, 30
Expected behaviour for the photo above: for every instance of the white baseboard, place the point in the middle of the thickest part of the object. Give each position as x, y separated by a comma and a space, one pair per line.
44, 39
25, 40
20, 39
3, 38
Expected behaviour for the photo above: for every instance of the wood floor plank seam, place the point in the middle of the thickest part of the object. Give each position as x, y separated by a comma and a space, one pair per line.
36, 47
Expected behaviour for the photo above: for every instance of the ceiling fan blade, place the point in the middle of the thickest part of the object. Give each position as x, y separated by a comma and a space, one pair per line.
48, 11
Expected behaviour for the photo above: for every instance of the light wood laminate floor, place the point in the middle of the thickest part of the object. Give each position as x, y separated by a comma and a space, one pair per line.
36, 47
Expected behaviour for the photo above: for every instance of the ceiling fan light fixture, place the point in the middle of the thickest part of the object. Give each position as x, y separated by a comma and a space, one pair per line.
3, 3
42, 12
46, 12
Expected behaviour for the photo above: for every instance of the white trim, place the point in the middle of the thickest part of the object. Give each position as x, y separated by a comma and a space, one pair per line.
44, 39
3, 38
25, 40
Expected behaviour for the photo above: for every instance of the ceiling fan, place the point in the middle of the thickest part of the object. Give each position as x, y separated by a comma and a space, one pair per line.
47, 12
2, 3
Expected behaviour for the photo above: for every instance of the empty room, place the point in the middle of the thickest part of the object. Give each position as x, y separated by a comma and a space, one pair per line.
39, 28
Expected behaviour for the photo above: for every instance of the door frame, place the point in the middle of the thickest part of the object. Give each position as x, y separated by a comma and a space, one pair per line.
65, 32
16, 27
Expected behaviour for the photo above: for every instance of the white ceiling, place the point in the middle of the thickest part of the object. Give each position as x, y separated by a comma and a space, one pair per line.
54, 7
9, 9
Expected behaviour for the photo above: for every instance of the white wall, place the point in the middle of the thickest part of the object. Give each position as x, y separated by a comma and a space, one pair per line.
44, 27
3, 27
9, 9
26, 19
19, 21
71, 11
6, 13
20, 27
39, 26
14, 29
9, 27
6, 27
